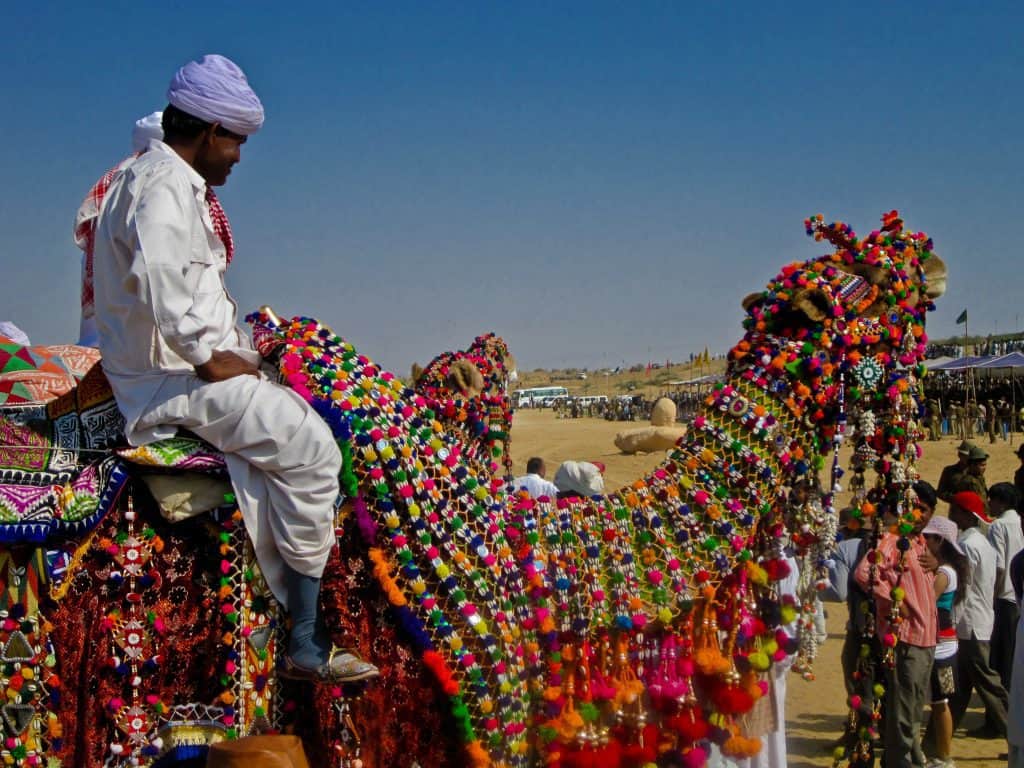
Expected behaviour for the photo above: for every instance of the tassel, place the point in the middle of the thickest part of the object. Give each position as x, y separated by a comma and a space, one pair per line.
710, 661
740, 746
382, 572
366, 523
413, 627
690, 724
731, 699
437, 665
478, 757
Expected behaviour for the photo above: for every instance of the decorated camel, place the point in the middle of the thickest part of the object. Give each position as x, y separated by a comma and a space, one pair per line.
629, 629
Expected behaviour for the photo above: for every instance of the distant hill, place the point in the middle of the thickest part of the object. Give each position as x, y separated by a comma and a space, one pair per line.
635, 380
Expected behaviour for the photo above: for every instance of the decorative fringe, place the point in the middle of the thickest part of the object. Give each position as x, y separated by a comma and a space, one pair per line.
741, 746
382, 572
367, 525
690, 724
710, 661
463, 722
412, 627
439, 667
606, 756
732, 699
478, 757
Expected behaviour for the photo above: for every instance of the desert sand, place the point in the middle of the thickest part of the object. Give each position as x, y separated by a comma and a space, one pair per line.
816, 709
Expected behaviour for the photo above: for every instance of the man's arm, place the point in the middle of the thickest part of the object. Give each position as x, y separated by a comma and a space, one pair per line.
998, 537
225, 365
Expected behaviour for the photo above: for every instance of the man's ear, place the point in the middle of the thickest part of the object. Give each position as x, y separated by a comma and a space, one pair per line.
210, 134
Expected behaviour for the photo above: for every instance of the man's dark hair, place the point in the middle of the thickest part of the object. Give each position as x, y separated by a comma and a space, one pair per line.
534, 465
1005, 493
926, 493
181, 126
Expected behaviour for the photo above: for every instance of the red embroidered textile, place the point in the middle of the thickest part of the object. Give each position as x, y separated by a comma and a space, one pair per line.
403, 719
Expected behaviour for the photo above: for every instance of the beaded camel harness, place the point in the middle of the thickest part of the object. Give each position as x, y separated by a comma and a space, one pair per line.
607, 630
615, 630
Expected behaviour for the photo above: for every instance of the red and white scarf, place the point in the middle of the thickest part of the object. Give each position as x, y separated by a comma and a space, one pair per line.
88, 214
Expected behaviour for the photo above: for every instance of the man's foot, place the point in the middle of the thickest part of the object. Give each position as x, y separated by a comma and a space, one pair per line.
939, 762
340, 667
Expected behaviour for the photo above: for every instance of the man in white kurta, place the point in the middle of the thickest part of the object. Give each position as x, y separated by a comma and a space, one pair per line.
175, 357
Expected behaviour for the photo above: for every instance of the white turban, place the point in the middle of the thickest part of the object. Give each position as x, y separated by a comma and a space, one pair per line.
214, 89
146, 128
580, 477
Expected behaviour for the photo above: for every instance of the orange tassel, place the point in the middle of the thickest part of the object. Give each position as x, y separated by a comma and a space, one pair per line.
478, 758
382, 572
711, 661
740, 746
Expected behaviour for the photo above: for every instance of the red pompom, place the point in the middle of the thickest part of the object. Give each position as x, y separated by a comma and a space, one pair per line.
608, 756
732, 699
690, 724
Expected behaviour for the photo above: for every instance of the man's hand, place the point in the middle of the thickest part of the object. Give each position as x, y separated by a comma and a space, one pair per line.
224, 365
927, 560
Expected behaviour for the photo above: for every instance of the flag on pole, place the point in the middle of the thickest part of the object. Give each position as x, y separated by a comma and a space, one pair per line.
707, 356
962, 318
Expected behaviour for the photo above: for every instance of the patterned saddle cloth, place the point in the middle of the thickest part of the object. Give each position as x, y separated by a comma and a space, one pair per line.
63, 463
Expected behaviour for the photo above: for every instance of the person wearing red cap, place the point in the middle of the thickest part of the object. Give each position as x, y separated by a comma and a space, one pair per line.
975, 619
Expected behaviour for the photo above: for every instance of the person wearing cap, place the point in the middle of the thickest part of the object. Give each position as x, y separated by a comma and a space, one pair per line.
175, 357
951, 472
907, 681
576, 479
975, 618
950, 586
973, 478
1006, 537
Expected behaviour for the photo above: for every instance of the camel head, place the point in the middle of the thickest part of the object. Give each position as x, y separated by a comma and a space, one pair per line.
845, 332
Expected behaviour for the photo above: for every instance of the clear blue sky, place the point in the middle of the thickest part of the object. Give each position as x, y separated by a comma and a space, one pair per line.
596, 182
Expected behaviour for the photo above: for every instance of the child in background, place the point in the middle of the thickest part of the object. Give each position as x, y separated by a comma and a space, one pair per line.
950, 585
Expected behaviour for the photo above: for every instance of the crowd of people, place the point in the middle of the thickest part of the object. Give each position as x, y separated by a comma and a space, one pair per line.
634, 407
989, 409
954, 629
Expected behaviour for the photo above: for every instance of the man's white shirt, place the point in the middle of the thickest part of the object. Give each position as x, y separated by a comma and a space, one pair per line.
1006, 537
161, 303
536, 486
976, 614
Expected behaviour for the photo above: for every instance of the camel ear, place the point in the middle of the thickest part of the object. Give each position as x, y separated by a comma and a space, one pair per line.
813, 303
752, 300
417, 371
464, 377
935, 274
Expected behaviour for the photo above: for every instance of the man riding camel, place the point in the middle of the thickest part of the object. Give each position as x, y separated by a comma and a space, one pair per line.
176, 359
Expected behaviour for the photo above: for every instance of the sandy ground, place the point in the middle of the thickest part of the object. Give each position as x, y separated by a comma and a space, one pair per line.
815, 709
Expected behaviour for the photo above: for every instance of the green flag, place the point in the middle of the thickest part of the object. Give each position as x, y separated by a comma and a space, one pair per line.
962, 318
